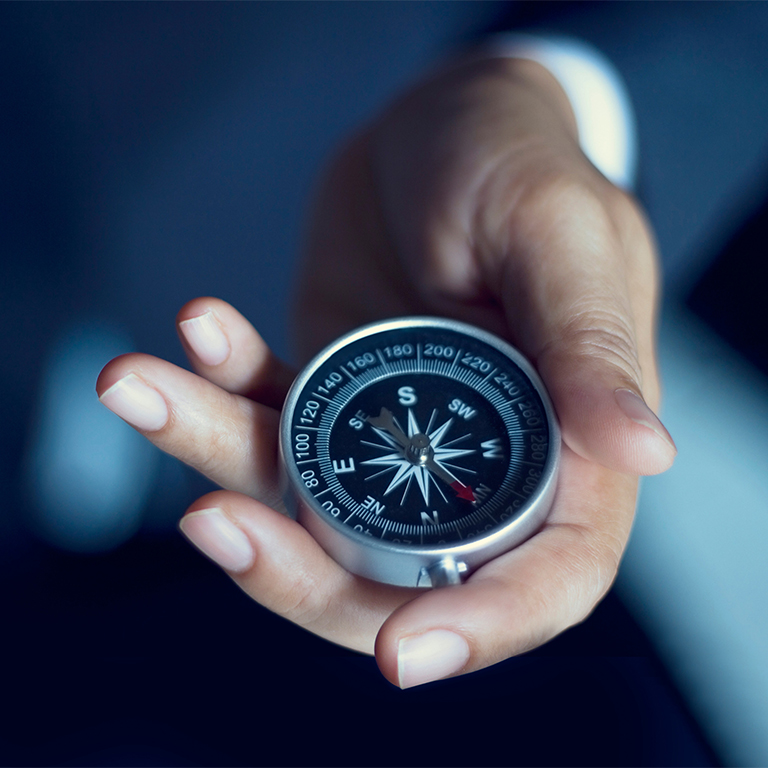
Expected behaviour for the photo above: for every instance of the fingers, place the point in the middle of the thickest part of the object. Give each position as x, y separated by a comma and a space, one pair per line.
229, 438
523, 598
276, 561
227, 350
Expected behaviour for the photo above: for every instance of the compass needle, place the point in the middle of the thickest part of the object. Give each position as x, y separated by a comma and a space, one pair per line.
385, 498
389, 438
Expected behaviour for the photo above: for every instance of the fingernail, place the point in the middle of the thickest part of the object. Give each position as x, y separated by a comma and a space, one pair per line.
218, 538
206, 338
635, 408
140, 405
431, 656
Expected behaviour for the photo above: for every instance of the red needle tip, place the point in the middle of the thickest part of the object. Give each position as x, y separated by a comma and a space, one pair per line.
463, 491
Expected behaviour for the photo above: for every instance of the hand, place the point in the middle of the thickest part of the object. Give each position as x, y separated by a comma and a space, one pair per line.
469, 198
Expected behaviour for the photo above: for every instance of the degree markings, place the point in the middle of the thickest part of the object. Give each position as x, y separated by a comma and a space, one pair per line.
483, 384
489, 376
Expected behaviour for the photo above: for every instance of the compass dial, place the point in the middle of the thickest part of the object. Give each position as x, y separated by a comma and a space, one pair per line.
417, 440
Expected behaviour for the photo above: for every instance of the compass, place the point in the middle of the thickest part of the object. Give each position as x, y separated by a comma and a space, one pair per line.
415, 450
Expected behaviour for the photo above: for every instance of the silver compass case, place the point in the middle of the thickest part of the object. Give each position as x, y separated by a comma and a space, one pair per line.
325, 512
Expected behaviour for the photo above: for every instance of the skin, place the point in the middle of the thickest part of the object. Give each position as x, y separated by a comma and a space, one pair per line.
468, 198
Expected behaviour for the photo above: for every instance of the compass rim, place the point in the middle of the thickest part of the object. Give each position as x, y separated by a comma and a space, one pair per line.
385, 560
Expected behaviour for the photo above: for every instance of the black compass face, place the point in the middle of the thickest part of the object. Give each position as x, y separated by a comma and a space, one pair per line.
418, 436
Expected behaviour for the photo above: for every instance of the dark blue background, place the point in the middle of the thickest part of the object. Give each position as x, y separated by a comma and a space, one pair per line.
150, 153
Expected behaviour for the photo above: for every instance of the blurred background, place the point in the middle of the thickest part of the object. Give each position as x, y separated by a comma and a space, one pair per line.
150, 153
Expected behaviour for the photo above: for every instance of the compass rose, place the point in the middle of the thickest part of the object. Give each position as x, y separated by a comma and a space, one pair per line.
417, 457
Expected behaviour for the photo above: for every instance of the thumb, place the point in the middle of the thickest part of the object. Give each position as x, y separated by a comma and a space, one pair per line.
603, 414
580, 293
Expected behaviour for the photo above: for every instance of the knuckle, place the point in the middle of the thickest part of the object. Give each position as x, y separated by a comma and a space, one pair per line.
601, 333
563, 200
568, 221
306, 603
564, 209
218, 447
211, 437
